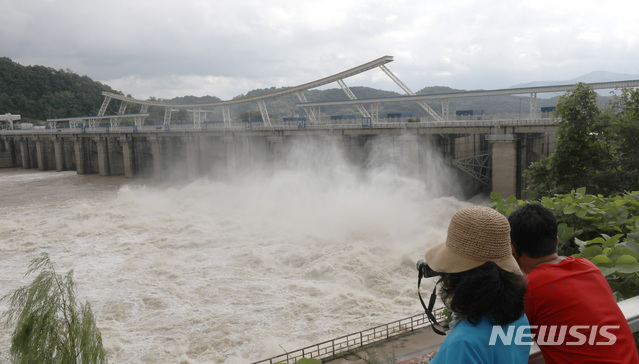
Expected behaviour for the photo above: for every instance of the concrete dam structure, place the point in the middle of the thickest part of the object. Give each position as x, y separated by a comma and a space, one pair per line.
485, 152
484, 155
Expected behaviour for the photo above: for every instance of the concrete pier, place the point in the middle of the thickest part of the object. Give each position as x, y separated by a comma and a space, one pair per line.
26, 152
156, 151
45, 155
276, 144
85, 160
103, 156
231, 164
192, 156
8, 153
504, 172
128, 156
58, 150
409, 155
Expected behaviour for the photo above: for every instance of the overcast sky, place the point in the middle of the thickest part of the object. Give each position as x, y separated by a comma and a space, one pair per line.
224, 48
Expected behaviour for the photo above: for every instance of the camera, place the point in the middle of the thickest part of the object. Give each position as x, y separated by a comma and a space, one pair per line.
424, 270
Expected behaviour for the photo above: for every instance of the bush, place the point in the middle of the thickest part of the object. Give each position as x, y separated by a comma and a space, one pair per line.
604, 230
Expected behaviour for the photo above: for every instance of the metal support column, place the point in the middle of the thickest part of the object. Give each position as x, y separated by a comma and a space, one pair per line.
167, 118
313, 118
375, 112
262, 105
105, 103
115, 122
352, 96
226, 114
445, 109
533, 105
408, 91
139, 120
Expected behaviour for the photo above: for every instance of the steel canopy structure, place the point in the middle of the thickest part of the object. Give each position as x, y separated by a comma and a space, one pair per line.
338, 77
444, 97
312, 109
9, 118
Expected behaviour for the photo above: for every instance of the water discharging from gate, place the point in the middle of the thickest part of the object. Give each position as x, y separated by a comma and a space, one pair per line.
216, 272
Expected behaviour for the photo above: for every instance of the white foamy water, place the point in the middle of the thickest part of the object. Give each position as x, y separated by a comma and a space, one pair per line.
214, 272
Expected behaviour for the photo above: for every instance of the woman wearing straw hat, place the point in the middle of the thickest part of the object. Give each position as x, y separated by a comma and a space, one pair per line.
484, 288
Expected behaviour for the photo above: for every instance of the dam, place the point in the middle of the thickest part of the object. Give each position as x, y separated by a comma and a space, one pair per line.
485, 154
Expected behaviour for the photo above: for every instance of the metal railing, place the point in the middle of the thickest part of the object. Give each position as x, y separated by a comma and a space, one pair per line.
322, 125
345, 344
348, 343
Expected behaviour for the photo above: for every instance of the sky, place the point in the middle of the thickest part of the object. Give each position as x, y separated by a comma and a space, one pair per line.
170, 48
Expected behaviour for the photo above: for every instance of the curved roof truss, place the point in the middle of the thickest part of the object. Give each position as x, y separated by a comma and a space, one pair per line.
307, 86
169, 106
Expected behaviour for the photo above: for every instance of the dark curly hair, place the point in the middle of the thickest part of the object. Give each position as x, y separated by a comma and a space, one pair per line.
485, 290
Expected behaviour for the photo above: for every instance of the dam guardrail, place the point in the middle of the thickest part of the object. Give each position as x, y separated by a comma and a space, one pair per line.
344, 344
342, 126
332, 349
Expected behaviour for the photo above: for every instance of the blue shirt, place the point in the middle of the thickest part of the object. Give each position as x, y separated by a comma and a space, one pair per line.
468, 343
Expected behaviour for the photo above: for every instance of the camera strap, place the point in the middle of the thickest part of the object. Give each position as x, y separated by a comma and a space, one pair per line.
437, 327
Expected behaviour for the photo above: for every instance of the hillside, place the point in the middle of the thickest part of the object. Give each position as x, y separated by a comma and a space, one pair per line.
38, 92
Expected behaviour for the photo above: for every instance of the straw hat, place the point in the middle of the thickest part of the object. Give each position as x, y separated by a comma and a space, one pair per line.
476, 235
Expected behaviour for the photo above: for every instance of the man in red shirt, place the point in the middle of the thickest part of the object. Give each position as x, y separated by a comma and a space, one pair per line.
572, 312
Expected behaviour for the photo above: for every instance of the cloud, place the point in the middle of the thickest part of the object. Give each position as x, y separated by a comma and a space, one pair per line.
170, 48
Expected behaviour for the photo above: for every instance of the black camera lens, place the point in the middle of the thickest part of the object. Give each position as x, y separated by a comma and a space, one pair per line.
424, 270
420, 264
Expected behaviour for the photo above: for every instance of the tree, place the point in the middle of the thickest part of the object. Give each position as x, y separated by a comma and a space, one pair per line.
540, 178
582, 148
624, 119
38, 93
51, 327
181, 115
584, 155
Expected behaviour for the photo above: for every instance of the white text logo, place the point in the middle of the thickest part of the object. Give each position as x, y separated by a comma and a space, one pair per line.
555, 335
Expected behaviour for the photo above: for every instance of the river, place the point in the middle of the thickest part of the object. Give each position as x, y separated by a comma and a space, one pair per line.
215, 272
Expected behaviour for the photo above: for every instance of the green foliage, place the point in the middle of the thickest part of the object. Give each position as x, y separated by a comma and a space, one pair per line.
50, 325
38, 93
623, 115
541, 178
604, 230
595, 148
307, 361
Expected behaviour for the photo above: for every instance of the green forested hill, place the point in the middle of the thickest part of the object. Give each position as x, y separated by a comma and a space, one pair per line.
38, 92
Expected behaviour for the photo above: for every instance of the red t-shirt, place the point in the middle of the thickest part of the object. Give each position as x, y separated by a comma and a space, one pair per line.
574, 315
